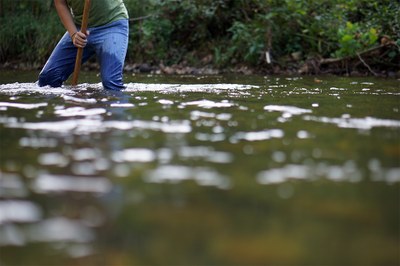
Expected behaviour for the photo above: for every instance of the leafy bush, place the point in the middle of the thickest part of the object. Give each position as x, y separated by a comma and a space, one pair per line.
28, 38
353, 39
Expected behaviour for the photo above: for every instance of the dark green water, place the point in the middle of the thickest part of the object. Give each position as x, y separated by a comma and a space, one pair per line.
197, 170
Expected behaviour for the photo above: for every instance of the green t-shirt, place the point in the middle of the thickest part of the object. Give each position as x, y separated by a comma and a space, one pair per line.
101, 11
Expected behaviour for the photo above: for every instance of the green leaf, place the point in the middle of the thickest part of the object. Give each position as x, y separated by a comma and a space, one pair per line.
347, 38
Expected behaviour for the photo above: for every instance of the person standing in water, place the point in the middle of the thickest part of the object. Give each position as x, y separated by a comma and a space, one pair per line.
107, 38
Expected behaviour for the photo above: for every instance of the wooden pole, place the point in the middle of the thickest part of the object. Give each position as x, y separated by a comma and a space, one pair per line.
79, 54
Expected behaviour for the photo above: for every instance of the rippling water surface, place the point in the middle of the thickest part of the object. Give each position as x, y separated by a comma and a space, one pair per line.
195, 170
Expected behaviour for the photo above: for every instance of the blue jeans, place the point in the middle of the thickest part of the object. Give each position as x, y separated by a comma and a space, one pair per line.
108, 42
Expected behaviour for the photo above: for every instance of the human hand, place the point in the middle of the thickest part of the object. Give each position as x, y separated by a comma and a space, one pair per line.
79, 39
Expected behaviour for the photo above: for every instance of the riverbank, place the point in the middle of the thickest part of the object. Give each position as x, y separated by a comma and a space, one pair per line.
377, 61
314, 66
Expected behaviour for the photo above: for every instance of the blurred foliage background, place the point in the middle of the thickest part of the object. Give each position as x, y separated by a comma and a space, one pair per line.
220, 33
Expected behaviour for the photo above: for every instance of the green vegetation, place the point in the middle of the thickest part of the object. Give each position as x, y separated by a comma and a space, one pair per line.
221, 33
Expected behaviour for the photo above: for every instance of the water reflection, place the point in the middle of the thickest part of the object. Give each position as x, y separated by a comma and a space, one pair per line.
176, 173
208, 104
19, 211
60, 229
56, 183
134, 155
287, 111
79, 111
346, 121
5, 105
348, 172
93, 125
249, 170
12, 186
257, 136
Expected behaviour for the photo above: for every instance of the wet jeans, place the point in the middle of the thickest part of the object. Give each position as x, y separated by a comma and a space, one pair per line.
108, 42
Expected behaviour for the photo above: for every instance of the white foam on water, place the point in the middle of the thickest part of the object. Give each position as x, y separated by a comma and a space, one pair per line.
174, 88
33, 88
90, 126
67, 92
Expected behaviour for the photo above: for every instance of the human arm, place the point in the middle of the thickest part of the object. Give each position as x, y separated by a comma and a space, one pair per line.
78, 38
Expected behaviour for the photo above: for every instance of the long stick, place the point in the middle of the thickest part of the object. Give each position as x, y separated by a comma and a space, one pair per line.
79, 54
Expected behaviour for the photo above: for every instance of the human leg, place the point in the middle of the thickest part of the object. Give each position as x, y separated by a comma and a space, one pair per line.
111, 44
61, 62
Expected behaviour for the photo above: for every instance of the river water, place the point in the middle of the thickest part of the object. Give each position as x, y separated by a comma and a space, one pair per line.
211, 170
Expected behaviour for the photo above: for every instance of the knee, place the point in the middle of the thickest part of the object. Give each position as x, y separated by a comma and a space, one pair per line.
49, 78
43, 79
